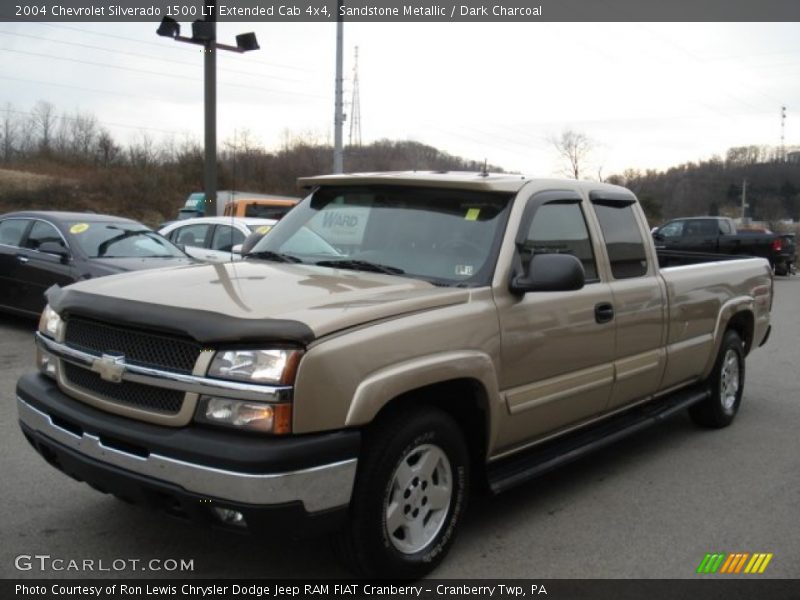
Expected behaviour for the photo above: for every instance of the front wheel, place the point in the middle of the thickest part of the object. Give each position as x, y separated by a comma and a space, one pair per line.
410, 495
726, 385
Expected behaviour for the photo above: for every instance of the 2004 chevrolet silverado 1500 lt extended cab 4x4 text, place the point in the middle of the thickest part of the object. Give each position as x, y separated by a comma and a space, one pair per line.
394, 338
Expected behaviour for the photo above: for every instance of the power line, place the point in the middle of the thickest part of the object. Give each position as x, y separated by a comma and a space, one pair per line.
183, 48
145, 56
161, 74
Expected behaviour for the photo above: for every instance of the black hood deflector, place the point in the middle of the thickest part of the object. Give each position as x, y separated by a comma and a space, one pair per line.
204, 326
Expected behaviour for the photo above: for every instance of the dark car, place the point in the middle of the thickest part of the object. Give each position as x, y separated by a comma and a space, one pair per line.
42, 248
715, 236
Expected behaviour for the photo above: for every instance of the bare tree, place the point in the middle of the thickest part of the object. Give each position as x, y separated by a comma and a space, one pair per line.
44, 120
142, 151
8, 134
83, 133
107, 149
574, 148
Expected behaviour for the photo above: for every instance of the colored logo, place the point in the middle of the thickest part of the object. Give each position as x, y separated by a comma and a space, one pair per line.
735, 563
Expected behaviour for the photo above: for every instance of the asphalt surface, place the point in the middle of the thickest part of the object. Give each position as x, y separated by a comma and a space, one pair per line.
651, 506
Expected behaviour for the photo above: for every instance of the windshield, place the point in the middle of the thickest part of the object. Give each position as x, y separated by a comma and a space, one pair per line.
121, 240
445, 236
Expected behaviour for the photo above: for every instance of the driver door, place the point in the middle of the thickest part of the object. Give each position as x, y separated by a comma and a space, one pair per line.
557, 366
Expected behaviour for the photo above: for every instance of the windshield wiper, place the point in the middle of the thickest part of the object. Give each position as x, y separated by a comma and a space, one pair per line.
270, 255
360, 265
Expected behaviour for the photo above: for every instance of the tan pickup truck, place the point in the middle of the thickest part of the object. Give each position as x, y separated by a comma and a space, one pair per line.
396, 338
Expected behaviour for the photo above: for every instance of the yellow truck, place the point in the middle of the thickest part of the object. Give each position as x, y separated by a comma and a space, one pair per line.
396, 339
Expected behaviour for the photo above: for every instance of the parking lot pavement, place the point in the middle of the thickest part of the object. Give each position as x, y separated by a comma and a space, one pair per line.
650, 506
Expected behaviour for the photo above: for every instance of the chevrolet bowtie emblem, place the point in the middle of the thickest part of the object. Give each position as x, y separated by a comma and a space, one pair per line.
110, 367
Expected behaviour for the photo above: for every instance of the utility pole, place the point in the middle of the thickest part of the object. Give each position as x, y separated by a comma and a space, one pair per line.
210, 101
338, 117
783, 128
745, 220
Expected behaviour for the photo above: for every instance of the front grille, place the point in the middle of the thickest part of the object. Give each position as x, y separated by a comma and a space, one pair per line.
134, 395
138, 347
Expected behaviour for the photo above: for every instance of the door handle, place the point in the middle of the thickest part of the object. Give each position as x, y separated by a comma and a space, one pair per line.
603, 312
22, 258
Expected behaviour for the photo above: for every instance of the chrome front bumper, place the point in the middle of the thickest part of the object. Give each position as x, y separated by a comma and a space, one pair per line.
318, 488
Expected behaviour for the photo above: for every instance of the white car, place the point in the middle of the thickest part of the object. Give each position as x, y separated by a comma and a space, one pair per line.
214, 239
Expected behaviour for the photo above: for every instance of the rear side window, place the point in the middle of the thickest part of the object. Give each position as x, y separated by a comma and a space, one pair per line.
623, 239
559, 228
42, 232
225, 238
11, 231
701, 227
192, 235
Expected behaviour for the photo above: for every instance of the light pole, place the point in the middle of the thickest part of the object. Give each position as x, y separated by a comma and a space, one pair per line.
204, 32
338, 116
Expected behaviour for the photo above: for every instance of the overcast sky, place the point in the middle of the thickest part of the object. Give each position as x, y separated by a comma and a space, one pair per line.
649, 95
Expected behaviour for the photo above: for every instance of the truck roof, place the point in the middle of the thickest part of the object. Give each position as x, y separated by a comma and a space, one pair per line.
471, 180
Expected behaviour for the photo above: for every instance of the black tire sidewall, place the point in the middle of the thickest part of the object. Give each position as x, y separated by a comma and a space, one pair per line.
374, 549
731, 341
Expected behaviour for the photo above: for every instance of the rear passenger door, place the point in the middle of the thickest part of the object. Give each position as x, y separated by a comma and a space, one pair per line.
700, 235
12, 258
223, 240
41, 270
638, 298
557, 347
194, 238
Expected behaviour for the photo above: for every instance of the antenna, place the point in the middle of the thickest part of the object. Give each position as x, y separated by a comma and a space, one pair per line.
233, 195
355, 107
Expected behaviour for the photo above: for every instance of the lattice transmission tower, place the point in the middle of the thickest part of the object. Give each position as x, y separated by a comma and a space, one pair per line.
355, 108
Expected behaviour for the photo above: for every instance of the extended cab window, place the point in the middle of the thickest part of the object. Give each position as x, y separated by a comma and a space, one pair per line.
560, 229
701, 227
623, 238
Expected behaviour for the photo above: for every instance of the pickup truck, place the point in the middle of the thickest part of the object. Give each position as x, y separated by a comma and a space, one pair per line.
718, 235
395, 339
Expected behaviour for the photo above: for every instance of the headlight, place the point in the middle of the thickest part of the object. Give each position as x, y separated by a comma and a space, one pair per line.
50, 322
255, 366
245, 414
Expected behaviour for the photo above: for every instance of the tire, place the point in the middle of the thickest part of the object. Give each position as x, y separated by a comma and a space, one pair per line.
726, 384
410, 495
781, 269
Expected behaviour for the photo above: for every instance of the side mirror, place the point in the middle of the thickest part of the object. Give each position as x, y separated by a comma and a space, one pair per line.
54, 248
550, 273
237, 249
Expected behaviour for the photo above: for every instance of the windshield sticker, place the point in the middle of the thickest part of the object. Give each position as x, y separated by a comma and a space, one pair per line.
79, 228
263, 229
473, 214
464, 270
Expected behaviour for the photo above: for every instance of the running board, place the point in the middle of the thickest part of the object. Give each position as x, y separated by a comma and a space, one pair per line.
528, 464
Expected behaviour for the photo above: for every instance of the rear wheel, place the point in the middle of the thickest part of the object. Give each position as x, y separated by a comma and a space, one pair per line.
726, 385
409, 497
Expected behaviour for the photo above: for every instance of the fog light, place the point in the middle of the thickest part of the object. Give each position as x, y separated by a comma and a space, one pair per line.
46, 363
228, 516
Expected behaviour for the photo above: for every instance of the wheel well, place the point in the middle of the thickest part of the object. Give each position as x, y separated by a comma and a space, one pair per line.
465, 400
743, 324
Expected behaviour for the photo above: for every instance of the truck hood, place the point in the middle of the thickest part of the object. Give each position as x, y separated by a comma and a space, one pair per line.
251, 300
